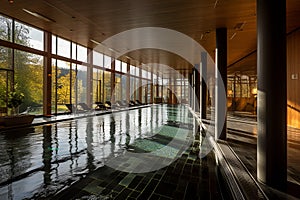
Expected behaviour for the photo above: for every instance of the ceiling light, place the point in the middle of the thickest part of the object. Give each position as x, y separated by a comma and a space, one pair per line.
10, 1
233, 35
201, 37
38, 15
96, 42
239, 26
216, 2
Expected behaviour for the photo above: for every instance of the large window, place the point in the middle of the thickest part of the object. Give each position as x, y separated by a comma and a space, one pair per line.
28, 76
24, 71
61, 85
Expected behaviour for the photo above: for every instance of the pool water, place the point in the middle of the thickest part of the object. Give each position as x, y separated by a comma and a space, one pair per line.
39, 161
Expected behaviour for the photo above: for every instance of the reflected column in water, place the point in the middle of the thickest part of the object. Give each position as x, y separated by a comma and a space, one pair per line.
112, 126
89, 143
127, 130
71, 146
140, 122
56, 149
47, 153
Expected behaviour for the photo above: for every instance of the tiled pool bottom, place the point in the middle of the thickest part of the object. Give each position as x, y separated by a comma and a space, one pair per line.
37, 162
189, 177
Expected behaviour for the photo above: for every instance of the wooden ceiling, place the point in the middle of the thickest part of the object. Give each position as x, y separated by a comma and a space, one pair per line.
81, 21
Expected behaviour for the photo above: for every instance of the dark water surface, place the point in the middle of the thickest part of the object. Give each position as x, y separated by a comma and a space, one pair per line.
41, 160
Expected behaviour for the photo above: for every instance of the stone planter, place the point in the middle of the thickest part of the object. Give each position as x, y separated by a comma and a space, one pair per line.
16, 120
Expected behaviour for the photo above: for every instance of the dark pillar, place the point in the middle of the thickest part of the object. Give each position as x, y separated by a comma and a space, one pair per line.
140, 88
221, 105
191, 89
272, 91
47, 75
90, 78
203, 87
151, 87
128, 81
197, 88
112, 83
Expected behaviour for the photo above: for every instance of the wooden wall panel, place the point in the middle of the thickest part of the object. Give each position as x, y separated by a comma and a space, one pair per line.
293, 79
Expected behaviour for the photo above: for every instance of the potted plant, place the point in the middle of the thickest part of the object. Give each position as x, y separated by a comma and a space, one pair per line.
14, 100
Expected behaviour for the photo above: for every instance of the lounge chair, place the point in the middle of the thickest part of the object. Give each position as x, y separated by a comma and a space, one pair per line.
121, 104
138, 102
130, 104
100, 106
133, 103
107, 104
73, 109
85, 107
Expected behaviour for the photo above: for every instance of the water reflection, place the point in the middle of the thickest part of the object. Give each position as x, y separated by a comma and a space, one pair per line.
37, 162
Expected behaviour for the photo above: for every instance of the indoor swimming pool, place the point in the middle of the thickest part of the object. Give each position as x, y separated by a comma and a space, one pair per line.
40, 161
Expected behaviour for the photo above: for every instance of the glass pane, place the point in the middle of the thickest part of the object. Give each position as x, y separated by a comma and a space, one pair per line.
132, 70
30, 85
81, 53
53, 44
29, 36
107, 86
5, 58
63, 85
97, 59
137, 88
97, 85
63, 47
137, 71
144, 74
73, 83
118, 65
124, 67
118, 88
124, 87
5, 28
5, 87
74, 51
81, 84
107, 62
